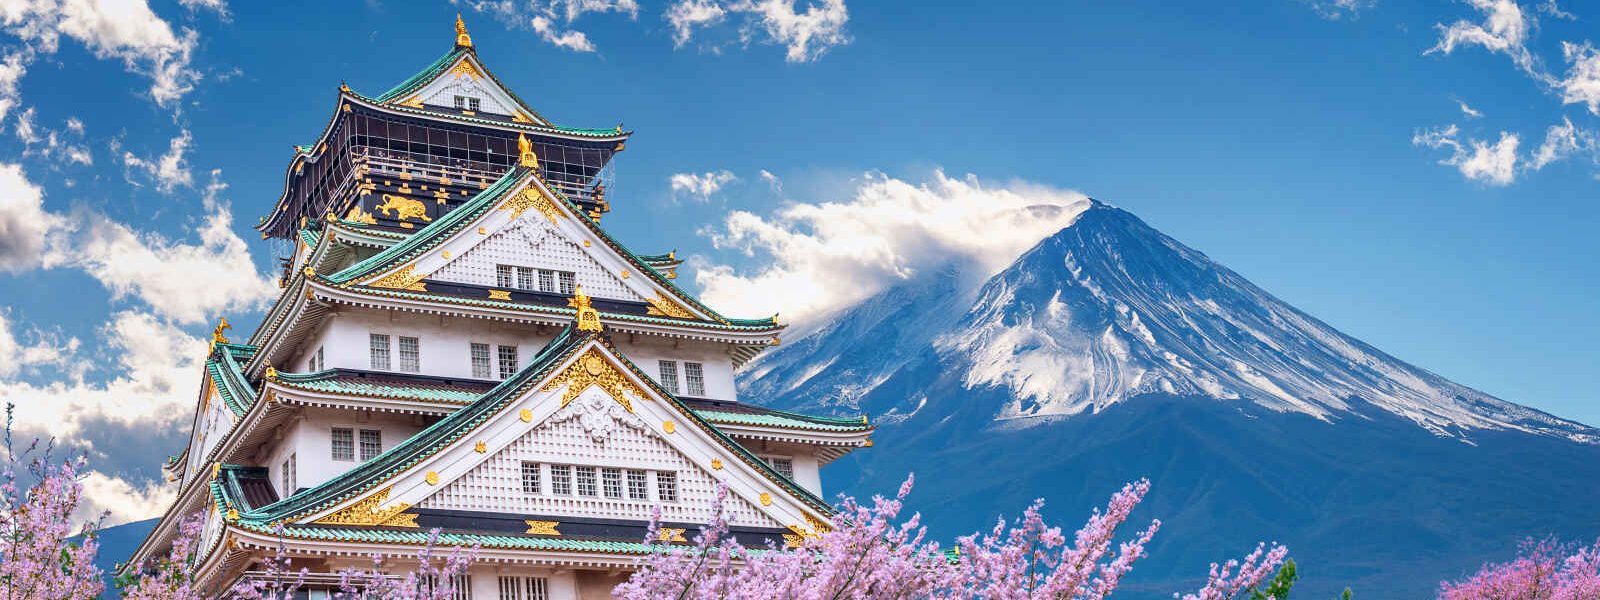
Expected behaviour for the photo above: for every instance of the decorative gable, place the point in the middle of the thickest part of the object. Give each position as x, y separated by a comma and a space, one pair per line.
534, 245
466, 85
598, 435
580, 404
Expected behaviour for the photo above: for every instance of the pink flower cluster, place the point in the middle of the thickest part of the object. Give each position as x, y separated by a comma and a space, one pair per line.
37, 557
867, 553
1544, 571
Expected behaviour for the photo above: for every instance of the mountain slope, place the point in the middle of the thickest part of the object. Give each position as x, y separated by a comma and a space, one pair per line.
1110, 352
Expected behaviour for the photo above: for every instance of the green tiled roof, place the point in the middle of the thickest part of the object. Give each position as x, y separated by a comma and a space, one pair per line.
422, 77
424, 444
434, 233
223, 367
442, 228
452, 427
326, 381
782, 419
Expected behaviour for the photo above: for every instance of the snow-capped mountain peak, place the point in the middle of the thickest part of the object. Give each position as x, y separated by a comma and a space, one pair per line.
1106, 310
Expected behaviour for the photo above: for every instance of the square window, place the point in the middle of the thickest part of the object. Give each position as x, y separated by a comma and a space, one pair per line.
782, 464
547, 281
525, 278
611, 481
586, 482
667, 486
502, 277
569, 282
638, 485
694, 378
379, 344
410, 357
344, 443
530, 477
371, 444
561, 480
508, 361
669, 375
480, 361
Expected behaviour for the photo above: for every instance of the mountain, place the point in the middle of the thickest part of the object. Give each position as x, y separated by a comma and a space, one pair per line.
1111, 351
116, 545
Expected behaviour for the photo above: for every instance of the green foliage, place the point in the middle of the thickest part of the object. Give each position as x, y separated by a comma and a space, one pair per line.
1278, 588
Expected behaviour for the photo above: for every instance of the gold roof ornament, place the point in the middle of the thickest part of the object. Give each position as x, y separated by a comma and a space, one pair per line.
216, 334
462, 39
525, 151
588, 317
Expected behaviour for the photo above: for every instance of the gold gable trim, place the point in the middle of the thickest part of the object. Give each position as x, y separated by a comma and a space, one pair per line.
592, 369
370, 511
663, 306
403, 278
530, 198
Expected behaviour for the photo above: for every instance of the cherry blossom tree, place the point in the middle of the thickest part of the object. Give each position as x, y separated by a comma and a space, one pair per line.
38, 555
434, 578
1544, 570
867, 552
171, 577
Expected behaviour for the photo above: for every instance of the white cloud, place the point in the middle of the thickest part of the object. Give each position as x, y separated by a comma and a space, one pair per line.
1504, 29
700, 186
12, 67
46, 350
689, 15
1498, 163
1582, 85
217, 6
570, 39
121, 501
772, 181
75, 125
553, 19
51, 143
1560, 142
1550, 7
1477, 160
813, 259
169, 170
1468, 111
155, 378
25, 129
807, 35
127, 30
188, 283
24, 224
1338, 9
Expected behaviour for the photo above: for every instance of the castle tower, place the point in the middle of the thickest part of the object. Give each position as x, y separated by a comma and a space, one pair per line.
460, 345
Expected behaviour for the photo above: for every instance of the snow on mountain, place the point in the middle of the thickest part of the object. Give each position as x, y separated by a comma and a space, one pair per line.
1109, 309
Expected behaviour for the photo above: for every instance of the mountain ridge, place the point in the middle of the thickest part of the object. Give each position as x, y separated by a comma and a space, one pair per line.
1109, 352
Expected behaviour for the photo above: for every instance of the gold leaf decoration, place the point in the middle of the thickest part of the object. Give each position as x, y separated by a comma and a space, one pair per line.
588, 317
403, 278
671, 534
662, 306
370, 511
543, 528
766, 499
530, 198
413, 102
499, 295
464, 68
592, 369
356, 215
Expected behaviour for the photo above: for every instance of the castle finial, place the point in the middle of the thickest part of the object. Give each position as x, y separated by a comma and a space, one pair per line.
216, 334
588, 317
525, 149
462, 39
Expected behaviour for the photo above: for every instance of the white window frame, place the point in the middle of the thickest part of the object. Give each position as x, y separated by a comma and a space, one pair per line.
561, 480
532, 478
667, 486
507, 367
482, 364
784, 465
378, 344
347, 445
410, 359
669, 375
694, 379
369, 452
287, 475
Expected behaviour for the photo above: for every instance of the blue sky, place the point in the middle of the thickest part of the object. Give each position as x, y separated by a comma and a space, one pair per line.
1325, 150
